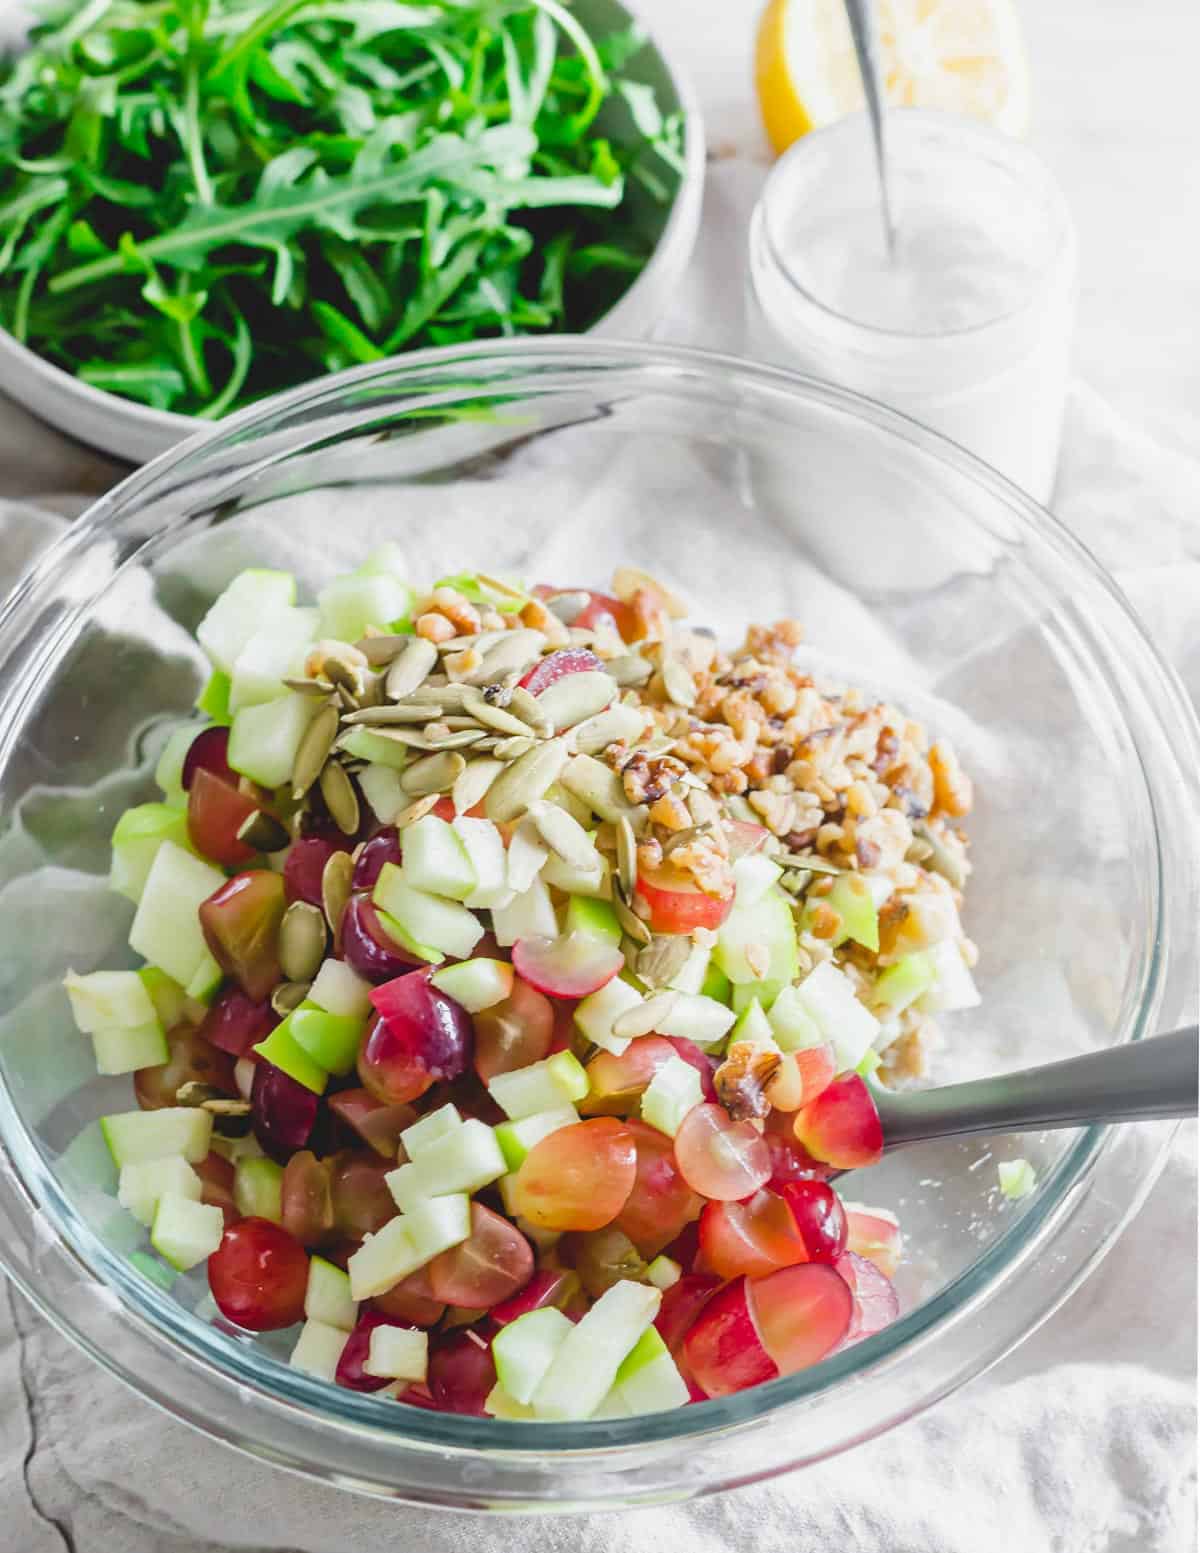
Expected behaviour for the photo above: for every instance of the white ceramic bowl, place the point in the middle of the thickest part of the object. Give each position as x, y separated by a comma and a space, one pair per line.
133, 431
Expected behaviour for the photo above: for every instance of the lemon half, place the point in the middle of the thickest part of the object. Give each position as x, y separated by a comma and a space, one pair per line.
959, 56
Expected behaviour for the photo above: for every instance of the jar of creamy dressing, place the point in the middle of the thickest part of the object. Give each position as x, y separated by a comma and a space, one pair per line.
967, 327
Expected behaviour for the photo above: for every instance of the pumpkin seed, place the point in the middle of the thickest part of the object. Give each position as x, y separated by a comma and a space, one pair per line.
663, 958
310, 687
630, 922
416, 811
411, 668
382, 650
568, 606
438, 692
483, 711
390, 716
340, 798
474, 783
335, 891
302, 938
796, 881
498, 585
432, 774
263, 832
518, 650
346, 699
816, 865
525, 780
563, 835
525, 856
626, 857
941, 859
480, 641
289, 995
703, 807
619, 724
644, 1017
679, 684
631, 669
313, 750
681, 838
576, 697
414, 739
370, 691
511, 749
529, 709
600, 788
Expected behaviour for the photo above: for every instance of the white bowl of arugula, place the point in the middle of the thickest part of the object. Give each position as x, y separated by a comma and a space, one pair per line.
203, 202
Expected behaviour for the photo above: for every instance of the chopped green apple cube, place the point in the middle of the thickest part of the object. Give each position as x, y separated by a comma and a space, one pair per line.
828, 997
133, 1136
753, 876
517, 1138
664, 1272
276, 650
674, 1090
142, 1183
613, 1405
168, 773
265, 736
476, 984
904, 982
763, 993
442, 924
401, 936
524, 1349
498, 1404
596, 1014
584, 1367
690, 976
793, 1027
351, 603
258, 1188
528, 915
206, 979
340, 990
461, 1160
365, 745
852, 899
753, 1026
593, 918
1017, 1177
435, 860
283, 1050
381, 788
103, 999
758, 942
167, 996
186, 1232
166, 928
122, 1050
648, 1380
383, 1259
397, 1353
591, 883
253, 597
331, 1040
327, 1295
953, 985
484, 847
213, 700
548, 1085
437, 1223
135, 842
318, 1349
436, 1125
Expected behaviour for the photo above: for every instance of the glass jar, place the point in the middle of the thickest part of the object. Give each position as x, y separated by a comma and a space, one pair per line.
967, 327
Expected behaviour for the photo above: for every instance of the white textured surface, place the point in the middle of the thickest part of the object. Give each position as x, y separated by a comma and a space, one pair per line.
1084, 1440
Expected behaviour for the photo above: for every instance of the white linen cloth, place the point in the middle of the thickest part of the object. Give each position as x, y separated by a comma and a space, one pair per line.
1083, 1441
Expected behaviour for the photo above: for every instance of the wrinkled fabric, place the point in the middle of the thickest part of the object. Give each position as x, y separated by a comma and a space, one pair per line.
1082, 1441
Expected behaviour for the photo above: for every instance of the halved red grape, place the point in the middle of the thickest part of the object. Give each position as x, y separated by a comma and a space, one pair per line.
719, 1157
208, 751
755, 1237
616, 1082
235, 1023
548, 1286
461, 1374
579, 1177
554, 666
383, 847
258, 1276
283, 1112
874, 1233
681, 1305
602, 1257
424, 1028
722, 1349
192, 1060
304, 866
216, 1174
366, 946
790, 1160
573, 965
513, 1033
819, 1218
677, 906
387, 1067
411, 1301
491, 1265
215, 813
350, 1372
876, 1304
306, 1199
362, 1203
241, 927
377, 1124
660, 1201
802, 1313
841, 1126
704, 1065
603, 611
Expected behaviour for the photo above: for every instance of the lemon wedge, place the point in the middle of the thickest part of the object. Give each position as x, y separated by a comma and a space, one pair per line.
958, 56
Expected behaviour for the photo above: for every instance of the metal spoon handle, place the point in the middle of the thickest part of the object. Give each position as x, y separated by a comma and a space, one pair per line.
864, 29
1143, 1081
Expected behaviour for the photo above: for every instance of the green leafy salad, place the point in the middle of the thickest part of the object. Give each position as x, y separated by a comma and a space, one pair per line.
204, 201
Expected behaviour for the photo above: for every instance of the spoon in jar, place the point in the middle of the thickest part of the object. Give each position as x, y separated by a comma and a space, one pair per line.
1141, 1081
864, 28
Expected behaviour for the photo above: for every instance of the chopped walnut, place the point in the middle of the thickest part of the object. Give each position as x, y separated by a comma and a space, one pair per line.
458, 610
953, 792
671, 813
743, 1077
537, 617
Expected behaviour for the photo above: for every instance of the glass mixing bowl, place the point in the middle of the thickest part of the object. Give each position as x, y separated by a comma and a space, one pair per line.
919, 573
